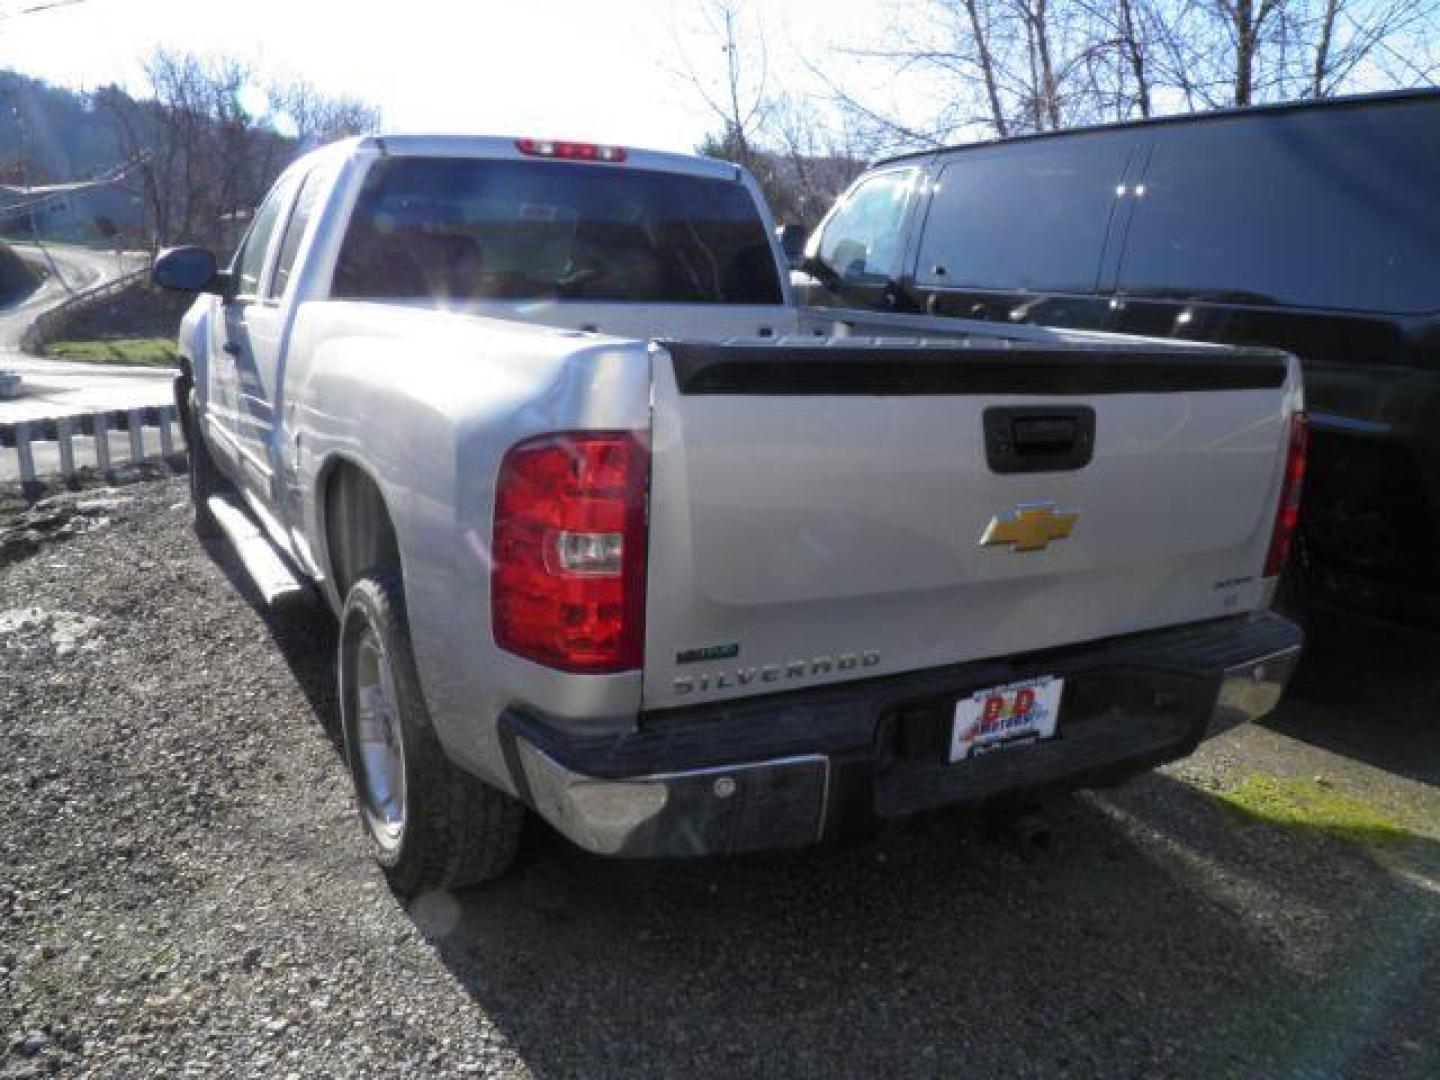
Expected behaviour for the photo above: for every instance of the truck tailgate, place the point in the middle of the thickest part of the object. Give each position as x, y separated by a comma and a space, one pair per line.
821, 512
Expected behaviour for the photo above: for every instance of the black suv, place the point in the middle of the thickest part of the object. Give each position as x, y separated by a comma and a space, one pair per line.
1313, 227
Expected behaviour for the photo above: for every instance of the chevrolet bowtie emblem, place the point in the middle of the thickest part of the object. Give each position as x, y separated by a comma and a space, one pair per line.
1029, 527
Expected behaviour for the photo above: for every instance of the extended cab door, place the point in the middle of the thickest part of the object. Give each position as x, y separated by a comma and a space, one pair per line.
246, 348
268, 326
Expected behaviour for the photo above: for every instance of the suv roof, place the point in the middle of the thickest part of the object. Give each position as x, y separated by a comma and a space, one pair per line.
1348, 101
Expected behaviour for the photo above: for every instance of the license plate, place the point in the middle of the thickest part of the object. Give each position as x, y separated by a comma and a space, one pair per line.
1004, 717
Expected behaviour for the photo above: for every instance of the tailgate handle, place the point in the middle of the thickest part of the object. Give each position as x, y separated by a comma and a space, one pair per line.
1044, 435
1039, 438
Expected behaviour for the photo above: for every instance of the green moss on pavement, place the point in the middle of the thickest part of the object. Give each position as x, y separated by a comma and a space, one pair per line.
1301, 803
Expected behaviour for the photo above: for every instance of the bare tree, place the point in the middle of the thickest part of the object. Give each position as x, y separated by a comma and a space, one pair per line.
1043, 90
1246, 21
943, 46
1133, 45
1243, 52
319, 118
168, 125
131, 125
1006, 67
800, 159
1118, 64
1323, 45
211, 155
1342, 37
738, 101
811, 162
239, 154
985, 61
1001, 67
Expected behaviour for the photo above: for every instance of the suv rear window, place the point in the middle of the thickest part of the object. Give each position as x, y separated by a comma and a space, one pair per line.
1331, 208
475, 229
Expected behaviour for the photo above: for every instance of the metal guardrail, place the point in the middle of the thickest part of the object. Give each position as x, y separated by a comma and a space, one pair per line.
39, 331
23, 435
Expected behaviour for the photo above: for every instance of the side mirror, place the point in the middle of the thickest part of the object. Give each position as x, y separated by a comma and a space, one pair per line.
822, 272
792, 242
188, 269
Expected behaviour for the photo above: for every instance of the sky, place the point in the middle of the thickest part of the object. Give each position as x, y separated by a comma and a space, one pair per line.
603, 70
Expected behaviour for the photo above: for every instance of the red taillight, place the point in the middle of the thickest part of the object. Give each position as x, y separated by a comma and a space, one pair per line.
567, 588
569, 151
1288, 515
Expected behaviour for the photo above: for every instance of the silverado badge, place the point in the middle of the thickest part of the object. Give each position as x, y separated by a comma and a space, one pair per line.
1029, 527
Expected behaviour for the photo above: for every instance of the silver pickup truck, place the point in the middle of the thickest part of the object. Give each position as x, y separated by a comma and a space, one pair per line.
619, 535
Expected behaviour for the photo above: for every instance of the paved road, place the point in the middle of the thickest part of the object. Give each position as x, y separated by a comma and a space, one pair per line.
52, 388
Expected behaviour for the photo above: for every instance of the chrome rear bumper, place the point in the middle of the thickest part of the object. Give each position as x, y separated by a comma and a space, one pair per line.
789, 770
1252, 689
743, 807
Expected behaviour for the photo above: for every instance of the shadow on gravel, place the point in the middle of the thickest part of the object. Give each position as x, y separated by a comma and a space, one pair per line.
304, 635
1368, 690
1155, 933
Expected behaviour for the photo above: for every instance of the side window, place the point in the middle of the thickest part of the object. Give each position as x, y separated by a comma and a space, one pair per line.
250, 262
862, 239
312, 186
1027, 216
1327, 208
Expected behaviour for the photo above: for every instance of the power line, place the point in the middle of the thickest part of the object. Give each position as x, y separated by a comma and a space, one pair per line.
36, 8
56, 192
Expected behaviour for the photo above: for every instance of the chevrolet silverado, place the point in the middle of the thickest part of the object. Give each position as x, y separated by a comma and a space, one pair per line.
621, 536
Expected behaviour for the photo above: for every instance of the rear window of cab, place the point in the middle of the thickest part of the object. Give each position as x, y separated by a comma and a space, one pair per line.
465, 229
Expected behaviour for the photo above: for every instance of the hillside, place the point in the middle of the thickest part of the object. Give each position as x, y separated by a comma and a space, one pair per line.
16, 279
51, 133
199, 155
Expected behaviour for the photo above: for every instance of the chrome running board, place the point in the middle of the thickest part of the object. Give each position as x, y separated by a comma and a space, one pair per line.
277, 583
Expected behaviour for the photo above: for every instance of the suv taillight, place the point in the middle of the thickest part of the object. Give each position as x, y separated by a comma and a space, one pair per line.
567, 587
1288, 514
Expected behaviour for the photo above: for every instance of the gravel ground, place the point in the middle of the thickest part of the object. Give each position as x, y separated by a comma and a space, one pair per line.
183, 890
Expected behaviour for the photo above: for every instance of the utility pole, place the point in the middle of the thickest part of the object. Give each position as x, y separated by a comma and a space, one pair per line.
9, 380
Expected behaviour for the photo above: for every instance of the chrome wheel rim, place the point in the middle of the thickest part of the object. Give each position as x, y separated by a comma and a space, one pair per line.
379, 744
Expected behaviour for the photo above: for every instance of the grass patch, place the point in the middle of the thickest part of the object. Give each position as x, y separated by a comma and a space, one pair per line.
147, 351
1298, 803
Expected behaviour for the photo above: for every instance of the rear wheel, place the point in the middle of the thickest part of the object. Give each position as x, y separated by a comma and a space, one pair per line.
205, 479
429, 823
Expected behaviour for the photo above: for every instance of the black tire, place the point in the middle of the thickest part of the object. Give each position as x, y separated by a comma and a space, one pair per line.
205, 479
455, 829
